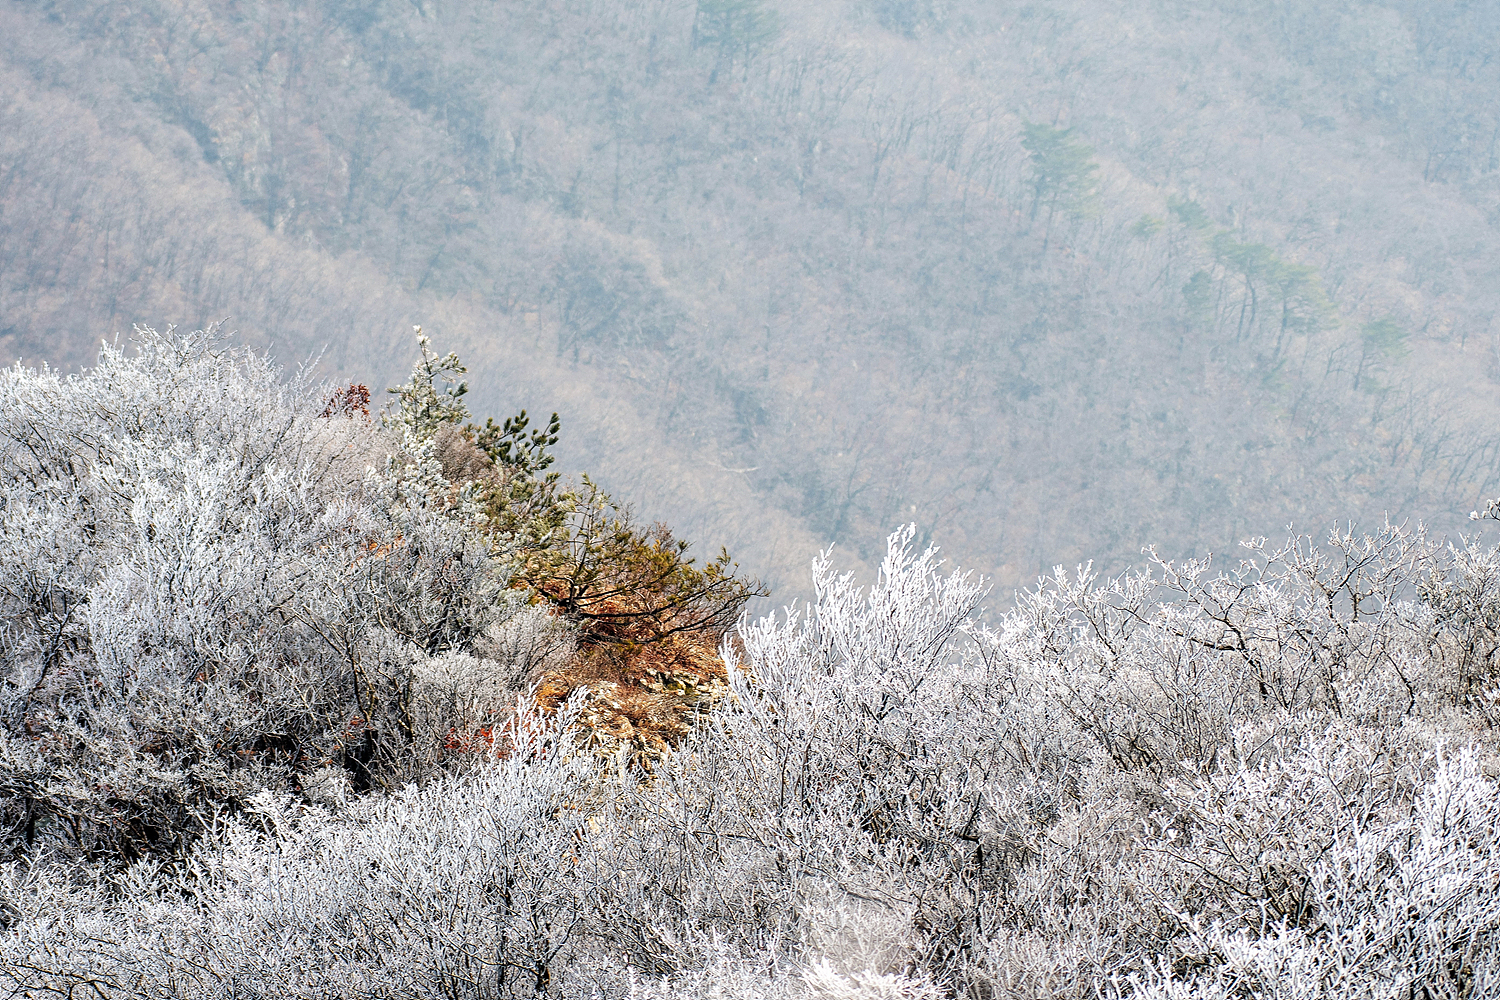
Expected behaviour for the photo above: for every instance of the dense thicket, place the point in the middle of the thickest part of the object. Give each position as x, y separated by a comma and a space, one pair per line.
217, 584
1056, 280
1275, 778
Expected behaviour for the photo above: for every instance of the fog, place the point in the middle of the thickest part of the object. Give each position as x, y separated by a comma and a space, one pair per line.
1053, 281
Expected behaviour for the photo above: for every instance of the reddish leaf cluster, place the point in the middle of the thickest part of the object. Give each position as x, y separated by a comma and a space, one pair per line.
481, 740
348, 402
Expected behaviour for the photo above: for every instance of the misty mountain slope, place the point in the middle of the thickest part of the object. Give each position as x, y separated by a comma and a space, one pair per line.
791, 274
104, 228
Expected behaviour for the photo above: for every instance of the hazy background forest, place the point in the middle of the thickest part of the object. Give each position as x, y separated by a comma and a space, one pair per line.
1053, 281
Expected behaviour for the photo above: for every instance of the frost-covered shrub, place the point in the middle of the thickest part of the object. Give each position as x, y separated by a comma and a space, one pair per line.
472, 694
213, 582
531, 642
1277, 780
1462, 597
1055, 801
1387, 906
461, 887
801, 813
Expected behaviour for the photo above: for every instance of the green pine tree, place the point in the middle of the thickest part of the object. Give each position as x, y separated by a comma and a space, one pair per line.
1063, 173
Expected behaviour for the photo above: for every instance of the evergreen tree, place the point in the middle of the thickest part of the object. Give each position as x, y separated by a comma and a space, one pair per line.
734, 30
1380, 340
1063, 173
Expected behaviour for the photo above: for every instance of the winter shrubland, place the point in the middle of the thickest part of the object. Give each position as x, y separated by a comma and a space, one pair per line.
298, 702
215, 582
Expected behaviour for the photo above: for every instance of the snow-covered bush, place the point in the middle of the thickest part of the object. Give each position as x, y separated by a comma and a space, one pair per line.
791, 817
262, 736
1106, 774
213, 582
1396, 897
461, 886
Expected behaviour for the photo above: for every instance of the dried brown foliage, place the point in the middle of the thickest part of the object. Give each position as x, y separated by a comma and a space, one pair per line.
348, 402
